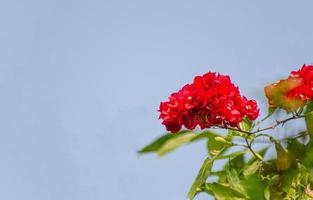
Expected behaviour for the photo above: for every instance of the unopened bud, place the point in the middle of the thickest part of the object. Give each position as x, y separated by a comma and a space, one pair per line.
222, 140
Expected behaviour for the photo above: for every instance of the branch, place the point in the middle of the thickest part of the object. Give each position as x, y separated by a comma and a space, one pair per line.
234, 129
282, 122
251, 150
270, 138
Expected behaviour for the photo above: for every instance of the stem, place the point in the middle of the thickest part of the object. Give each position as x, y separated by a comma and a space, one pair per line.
272, 139
251, 150
235, 129
282, 122
301, 135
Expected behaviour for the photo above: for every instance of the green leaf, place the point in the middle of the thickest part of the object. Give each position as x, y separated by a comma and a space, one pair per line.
287, 179
222, 140
308, 107
158, 143
308, 156
202, 176
254, 187
260, 152
252, 168
206, 190
231, 155
232, 133
246, 124
237, 163
175, 142
235, 182
309, 122
267, 193
170, 141
308, 116
224, 192
204, 135
215, 146
274, 179
283, 160
289, 186
222, 177
296, 150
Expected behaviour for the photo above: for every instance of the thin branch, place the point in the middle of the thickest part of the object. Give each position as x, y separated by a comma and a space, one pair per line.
278, 123
251, 150
235, 129
282, 122
271, 138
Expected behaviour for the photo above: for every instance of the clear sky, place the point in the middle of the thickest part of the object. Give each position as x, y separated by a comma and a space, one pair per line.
81, 83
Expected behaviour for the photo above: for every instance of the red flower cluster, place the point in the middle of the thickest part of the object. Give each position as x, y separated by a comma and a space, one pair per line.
211, 100
305, 90
292, 93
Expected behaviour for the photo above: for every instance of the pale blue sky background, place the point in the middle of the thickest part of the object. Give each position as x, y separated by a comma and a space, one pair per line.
81, 82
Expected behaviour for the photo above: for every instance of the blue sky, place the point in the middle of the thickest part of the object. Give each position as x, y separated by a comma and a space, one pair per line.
81, 83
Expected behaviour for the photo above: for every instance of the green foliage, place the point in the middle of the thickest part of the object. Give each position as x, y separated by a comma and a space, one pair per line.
309, 122
175, 142
246, 174
158, 143
169, 142
246, 124
309, 117
234, 181
231, 155
223, 192
283, 161
202, 176
215, 146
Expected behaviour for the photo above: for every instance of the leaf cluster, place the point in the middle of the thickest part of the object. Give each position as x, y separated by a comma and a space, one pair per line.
246, 174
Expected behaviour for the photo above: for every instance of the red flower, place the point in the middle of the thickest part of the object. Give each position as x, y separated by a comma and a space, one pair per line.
292, 93
305, 90
211, 100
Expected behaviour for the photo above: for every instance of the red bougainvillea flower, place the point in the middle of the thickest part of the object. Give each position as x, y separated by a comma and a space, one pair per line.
292, 93
305, 90
211, 100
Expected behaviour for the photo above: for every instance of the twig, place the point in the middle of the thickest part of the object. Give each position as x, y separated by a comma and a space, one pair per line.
251, 150
235, 129
271, 138
282, 122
